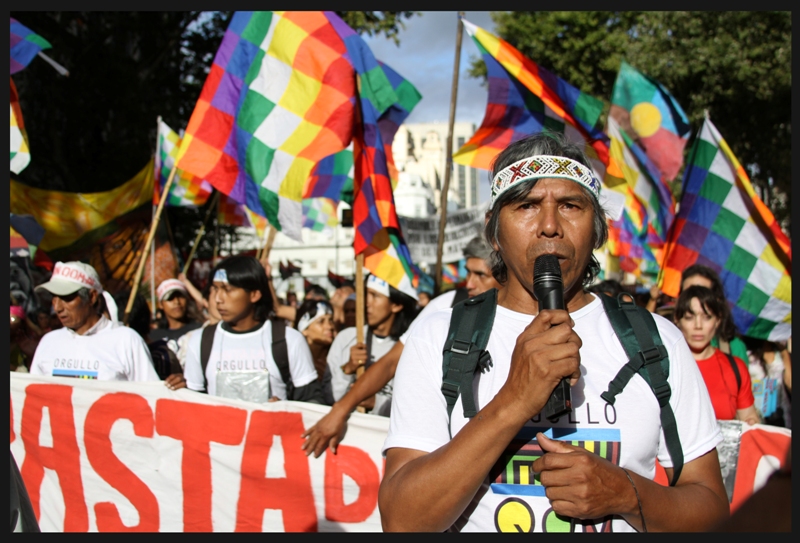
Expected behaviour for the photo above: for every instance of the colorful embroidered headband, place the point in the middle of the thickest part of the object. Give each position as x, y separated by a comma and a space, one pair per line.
539, 166
307, 319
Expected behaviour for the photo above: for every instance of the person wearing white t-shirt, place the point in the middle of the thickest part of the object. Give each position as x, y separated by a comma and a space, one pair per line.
240, 363
508, 468
89, 346
389, 311
330, 430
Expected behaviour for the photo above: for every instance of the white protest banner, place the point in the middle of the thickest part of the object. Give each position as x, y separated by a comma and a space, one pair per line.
421, 235
118, 456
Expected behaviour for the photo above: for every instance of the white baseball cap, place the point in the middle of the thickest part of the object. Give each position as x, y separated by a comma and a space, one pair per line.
70, 277
170, 285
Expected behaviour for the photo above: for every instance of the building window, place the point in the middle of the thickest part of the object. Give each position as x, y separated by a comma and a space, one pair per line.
462, 184
473, 186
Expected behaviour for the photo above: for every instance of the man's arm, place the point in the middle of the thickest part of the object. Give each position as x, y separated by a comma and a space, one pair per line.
428, 491
197, 296
330, 429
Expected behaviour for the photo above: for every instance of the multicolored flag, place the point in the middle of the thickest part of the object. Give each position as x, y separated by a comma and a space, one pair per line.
649, 113
524, 99
186, 189
319, 214
25, 45
723, 224
233, 213
639, 235
20, 153
280, 96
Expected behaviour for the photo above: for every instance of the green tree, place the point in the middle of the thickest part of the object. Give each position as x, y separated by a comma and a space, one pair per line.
96, 128
735, 65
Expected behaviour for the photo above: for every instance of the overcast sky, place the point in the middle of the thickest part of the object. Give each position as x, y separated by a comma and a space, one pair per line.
425, 57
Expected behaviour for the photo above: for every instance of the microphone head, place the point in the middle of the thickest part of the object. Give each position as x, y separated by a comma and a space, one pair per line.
546, 267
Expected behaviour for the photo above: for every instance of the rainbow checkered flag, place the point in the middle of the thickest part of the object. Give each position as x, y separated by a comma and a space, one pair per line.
525, 99
722, 223
25, 45
20, 153
186, 189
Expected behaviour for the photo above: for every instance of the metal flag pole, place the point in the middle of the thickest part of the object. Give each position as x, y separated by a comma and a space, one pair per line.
449, 160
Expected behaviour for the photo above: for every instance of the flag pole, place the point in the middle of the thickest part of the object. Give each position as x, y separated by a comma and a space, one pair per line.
200, 233
157, 173
360, 313
216, 237
448, 160
146, 247
270, 239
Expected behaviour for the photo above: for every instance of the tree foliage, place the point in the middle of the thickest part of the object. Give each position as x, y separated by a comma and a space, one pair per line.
96, 128
735, 65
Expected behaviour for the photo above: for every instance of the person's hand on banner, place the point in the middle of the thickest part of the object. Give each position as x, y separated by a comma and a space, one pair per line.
328, 432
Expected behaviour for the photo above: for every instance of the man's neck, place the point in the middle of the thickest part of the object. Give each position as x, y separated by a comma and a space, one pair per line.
243, 324
88, 325
517, 298
384, 328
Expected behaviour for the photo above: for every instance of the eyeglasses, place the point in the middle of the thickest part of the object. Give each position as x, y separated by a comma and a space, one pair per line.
67, 298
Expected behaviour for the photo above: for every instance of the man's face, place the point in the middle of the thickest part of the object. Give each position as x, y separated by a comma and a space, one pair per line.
233, 303
73, 312
380, 308
556, 217
479, 277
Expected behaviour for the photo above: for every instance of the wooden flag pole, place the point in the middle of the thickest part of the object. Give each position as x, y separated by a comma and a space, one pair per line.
216, 236
145, 250
449, 161
360, 312
200, 233
265, 250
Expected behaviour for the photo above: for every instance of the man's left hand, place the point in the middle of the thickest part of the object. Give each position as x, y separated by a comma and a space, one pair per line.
581, 484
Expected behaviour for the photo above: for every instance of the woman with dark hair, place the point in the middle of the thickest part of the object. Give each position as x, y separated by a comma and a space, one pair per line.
240, 362
698, 314
179, 314
726, 339
315, 321
389, 312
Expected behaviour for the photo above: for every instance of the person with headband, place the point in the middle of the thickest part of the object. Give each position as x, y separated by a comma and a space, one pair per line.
315, 321
389, 311
508, 467
179, 313
89, 346
330, 430
240, 361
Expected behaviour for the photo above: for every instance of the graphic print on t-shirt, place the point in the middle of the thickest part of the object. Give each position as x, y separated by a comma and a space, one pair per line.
75, 367
512, 476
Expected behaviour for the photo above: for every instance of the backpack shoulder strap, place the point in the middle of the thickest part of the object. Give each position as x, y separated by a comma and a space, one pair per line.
280, 353
206, 342
464, 351
461, 295
638, 333
735, 368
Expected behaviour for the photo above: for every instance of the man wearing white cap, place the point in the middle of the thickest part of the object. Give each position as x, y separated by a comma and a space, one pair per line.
504, 465
89, 346
388, 314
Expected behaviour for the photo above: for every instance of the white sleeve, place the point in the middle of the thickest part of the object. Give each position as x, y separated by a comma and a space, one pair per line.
141, 363
339, 354
694, 414
192, 371
440, 302
39, 355
301, 363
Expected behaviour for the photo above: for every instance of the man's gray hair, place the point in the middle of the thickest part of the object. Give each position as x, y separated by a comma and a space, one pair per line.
478, 248
543, 143
85, 294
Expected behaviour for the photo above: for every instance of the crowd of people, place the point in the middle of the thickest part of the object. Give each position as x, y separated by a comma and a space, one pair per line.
236, 338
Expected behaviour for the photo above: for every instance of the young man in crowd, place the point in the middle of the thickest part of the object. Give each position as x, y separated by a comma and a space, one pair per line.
330, 430
240, 361
89, 346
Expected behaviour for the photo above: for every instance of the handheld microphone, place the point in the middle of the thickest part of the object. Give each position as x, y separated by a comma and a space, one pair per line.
548, 288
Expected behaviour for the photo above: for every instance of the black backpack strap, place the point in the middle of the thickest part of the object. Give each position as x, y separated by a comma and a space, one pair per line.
369, 361
735, 368
461, 295
206, 342
280, 353
464, 351
638, 334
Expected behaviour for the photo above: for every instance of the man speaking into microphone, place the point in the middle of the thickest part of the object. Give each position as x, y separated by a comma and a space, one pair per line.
512, 463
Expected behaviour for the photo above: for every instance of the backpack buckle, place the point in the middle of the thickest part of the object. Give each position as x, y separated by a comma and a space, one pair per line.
653, 354
462, 348
662, 392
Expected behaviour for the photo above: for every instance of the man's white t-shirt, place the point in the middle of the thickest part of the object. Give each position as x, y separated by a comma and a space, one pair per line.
249, 352
627, 433
339, 354
442, 301
106, 352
